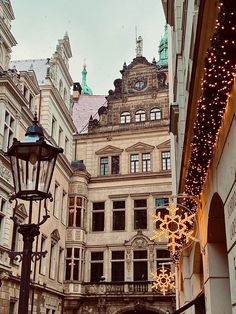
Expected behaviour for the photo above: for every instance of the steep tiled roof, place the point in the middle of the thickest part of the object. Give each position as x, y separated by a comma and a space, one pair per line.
86, 106
39, 66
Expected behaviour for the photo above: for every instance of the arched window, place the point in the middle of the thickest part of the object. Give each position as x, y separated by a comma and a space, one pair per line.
125, 117
65, 95
155, 114
140, 115
60, 87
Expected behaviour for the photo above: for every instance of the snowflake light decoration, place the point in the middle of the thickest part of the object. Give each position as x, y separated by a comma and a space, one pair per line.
164, 281
175, 227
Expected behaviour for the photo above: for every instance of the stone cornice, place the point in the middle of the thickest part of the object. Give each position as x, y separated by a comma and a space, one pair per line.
7, 33
131, 177
58, 58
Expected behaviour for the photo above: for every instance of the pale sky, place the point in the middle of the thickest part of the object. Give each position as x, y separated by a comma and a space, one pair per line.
100, 31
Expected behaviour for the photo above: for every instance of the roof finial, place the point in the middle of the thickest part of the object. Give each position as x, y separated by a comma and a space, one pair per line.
139, 47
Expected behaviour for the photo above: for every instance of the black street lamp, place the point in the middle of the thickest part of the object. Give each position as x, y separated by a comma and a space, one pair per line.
32, 161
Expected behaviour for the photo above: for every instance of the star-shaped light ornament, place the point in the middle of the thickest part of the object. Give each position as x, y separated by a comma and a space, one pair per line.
177, 228
163, 280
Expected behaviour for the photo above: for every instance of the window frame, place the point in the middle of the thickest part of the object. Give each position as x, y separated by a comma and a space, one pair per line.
137, 261
42, 262
165, 161
137, 209
73, 261
8, 130
125, 117
3, 212
140, 115
96, 261
108, 169
155, 114
116, 261
98, 212
119, 210
75, 210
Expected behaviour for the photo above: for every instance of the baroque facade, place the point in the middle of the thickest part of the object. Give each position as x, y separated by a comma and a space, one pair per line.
113, 175
202, 97
121, 174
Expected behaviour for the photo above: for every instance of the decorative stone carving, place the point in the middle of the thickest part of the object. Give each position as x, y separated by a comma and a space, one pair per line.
139, 243
128, 258
55, 235
5, 173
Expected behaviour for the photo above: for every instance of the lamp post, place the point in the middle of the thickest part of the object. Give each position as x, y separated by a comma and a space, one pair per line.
32, 162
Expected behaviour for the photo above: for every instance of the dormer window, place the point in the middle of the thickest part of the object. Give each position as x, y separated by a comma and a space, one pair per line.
155, 114
140, 116
125, 117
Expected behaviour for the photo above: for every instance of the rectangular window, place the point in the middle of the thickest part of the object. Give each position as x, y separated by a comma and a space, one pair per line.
134, 163
53, 129
3, 209
104, 166
8, 132
56, 200
118, 215
75, 211
12, 307
165, 157
96, 266
161, 204
52, 264
64, 207
31, 101
60, 273
72, 263
117, 266
42, 263
60, 136
98, 216
115, 164
146, 162
140, 270
15, 238
163, 256
140, 214
66, 145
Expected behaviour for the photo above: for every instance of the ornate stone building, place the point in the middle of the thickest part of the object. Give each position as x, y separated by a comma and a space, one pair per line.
121, 174
114, 173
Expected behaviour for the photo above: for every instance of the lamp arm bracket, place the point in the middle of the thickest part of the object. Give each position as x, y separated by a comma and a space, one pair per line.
45, 218
14, 256
36, 256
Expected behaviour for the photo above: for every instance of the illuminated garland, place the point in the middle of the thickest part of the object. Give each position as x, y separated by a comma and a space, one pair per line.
219, 72
163, 281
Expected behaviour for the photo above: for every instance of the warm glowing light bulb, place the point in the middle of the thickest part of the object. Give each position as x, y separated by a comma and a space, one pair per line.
33, 158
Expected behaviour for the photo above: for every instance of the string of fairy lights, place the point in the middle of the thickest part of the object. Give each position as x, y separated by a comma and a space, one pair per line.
216, 85
219, 74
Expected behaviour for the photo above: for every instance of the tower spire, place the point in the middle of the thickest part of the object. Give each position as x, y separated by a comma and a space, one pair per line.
85, 89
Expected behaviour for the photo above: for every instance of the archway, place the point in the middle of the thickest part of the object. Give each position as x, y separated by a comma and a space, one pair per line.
198, 280
217, 286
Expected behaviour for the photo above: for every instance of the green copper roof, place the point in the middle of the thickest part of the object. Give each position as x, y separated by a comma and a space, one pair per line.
85, 89
163, 49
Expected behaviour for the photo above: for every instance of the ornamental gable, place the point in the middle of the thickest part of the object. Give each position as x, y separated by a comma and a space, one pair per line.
140, 147
109, 150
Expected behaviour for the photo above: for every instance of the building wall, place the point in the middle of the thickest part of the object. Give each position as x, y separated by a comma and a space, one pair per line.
208, 264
